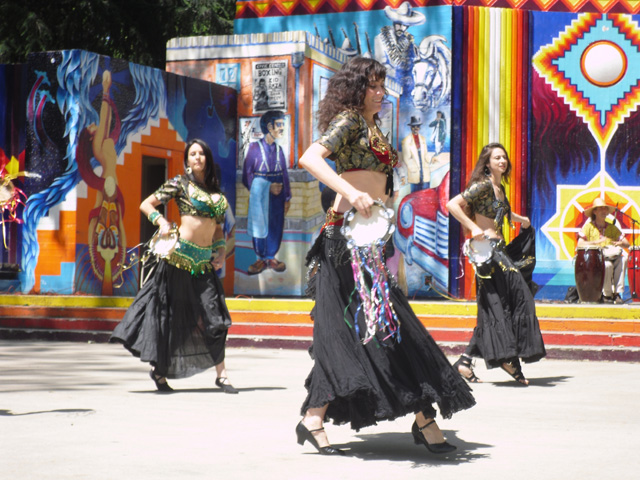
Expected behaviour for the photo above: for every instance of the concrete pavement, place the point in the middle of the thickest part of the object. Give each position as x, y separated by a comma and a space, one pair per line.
89, 411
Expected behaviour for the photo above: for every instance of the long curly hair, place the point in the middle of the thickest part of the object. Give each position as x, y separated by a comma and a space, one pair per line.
347, 88
211, 170
479, 173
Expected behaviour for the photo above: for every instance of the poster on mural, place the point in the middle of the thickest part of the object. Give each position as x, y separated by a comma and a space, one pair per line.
269, 86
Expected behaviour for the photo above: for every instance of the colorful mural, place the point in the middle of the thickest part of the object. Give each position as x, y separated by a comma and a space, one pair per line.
92, 123
555, 81
415, 45
557, 89
278, 209
490, 84
269, 8
585, 100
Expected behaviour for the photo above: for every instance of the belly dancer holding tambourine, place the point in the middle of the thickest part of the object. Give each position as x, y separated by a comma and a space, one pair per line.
178, 322
373, 359
507, 328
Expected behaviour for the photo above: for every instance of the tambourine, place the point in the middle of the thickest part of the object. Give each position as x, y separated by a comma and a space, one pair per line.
164, 245
479, 252
363, 232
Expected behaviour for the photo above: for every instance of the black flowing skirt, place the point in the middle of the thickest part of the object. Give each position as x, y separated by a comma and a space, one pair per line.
507, 326
384, 379
178, 322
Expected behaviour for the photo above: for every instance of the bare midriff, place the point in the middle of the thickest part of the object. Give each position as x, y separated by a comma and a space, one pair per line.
374, 183
488, 226
198, 230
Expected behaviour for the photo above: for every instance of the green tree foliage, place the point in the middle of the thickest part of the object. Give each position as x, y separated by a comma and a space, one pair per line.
134, 30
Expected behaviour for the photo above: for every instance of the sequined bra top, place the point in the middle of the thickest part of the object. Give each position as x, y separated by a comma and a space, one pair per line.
192, 200
347, 137
482, 199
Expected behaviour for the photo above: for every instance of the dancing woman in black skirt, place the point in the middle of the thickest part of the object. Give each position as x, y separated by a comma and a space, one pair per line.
360, 377
507, 328
178, 322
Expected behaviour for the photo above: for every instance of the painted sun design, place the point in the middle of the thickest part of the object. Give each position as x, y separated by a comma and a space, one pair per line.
571, 202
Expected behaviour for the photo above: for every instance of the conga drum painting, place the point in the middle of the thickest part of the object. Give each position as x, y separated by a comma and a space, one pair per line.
589, 268
633, 273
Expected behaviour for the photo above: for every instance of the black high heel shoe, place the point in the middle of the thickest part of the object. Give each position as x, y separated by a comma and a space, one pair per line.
161, 386
418, 438
304, 434
466, 362
514, 369
223, 383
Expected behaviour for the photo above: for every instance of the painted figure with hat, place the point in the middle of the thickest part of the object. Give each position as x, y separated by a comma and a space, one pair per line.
394, 47
602, 230
415, 157
439, 132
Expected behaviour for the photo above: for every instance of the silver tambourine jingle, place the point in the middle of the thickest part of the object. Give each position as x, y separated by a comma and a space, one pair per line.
164, 245
479, 252
375, 230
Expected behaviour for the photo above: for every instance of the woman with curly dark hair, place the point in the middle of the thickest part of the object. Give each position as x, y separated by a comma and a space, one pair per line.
361, 375
178, 322
507, 327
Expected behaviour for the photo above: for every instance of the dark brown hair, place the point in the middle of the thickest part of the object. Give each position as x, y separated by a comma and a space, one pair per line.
347, 88
479, 173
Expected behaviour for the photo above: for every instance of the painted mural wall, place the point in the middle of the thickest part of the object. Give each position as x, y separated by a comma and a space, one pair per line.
585, 132
415, 45
491, 104
102, 134
557, 88
279, 209
517, 76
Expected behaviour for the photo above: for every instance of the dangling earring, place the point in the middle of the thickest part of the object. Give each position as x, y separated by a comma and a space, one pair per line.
487, 172
189, 171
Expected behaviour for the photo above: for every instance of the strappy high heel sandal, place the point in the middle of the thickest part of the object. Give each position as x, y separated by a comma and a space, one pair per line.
419, 438
304, 434
514, 369
162, 386
466, 362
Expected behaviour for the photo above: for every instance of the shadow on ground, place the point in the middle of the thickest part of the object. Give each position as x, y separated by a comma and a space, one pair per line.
399, 447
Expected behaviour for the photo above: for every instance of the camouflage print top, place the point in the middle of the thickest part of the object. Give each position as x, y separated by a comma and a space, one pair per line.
192, 200
482, 199
347, 137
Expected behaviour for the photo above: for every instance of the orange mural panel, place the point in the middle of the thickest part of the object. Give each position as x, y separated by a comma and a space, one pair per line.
56, 247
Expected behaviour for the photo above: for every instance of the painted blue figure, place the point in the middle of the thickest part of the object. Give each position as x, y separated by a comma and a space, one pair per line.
265, 176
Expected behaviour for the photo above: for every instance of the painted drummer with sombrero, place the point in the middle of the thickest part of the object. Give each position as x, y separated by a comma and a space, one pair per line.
602, 230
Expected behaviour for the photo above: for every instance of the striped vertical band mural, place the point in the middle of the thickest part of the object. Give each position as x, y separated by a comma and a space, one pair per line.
495, 99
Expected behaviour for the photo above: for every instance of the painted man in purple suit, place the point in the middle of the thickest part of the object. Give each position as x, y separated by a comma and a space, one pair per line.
265, 176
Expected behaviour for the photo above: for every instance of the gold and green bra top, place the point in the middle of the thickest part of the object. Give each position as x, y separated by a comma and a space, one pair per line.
347, 136
482, 199
192, 199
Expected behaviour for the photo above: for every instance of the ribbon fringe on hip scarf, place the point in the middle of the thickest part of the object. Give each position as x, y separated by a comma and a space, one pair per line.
367, 263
